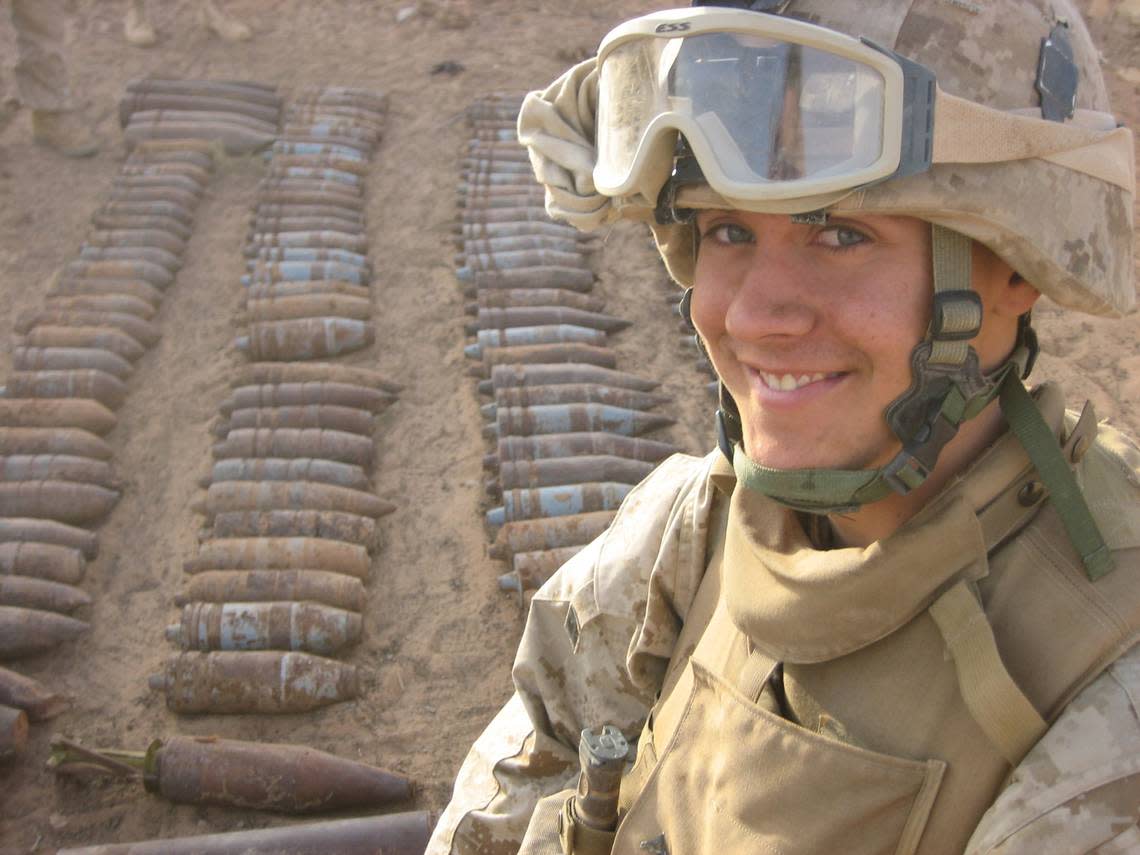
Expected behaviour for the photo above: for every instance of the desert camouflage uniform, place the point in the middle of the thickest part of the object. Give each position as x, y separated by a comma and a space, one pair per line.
41, 73
600, 636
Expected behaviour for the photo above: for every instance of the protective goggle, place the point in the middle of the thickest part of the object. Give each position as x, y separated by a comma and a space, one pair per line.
775, 109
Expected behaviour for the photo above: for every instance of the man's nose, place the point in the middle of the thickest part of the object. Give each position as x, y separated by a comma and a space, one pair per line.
776, 298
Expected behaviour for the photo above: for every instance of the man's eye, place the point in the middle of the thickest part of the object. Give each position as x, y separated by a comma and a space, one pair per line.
841, 237
730, 233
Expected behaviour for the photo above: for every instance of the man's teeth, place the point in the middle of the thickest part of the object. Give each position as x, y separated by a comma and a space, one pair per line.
787, 382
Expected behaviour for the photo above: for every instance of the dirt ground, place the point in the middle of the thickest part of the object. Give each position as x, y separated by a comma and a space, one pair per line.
439, 634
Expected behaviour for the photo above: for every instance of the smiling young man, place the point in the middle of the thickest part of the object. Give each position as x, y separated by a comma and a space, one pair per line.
897, 611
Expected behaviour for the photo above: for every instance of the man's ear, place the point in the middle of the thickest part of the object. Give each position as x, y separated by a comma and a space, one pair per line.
1018, 297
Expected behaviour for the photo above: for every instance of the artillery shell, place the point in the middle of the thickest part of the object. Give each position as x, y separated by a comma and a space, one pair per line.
183, 184
284, 495
241, 91
136, 237
571, 278
331, 525
120, 304
542, 375
56, 467
343, 164
196, 173
27, 631
325, 239
57, 561
314, 173
282, 469
65, 501
13, 731
277, 290
290, 442
65, 441
130, 253
165, 195
309, 306
155, 274
56, 412
252, 586
24, 693
235, 138
316, 149
532, 569
266, 776
535, 354
513, 244
557, 501
304, 253
299, 394
226, 682
132, 287
527, 336
311, 197
575, 393
140, 330
392, 834
31, 593
137, 101
525, 259
100, 386
549, 533
306, 218
104, 338
532, 316
576, 418
519, 297
201, 117
319, 416
573, 444
32, 532
571, 470
477, 230
70, 358
276, 553
306, 271
265, 626
532, 213
286, 372
310, 338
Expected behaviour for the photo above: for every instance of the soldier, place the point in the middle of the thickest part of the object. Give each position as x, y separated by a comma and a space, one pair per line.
898, 609
42, 79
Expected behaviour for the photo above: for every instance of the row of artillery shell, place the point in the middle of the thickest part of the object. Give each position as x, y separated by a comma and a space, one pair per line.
230, 496
283, 625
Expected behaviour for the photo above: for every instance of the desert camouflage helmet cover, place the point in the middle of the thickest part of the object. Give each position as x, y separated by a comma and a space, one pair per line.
1066, 231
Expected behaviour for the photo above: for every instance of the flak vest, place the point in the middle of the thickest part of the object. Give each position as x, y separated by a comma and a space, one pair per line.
874, 700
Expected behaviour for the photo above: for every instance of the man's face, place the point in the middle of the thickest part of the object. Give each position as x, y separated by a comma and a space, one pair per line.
811, 329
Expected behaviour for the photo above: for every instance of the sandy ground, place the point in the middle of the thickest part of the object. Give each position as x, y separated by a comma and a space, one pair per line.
439, 635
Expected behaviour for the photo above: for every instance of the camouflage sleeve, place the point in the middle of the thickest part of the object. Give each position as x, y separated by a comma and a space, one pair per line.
1078, 790
594, 650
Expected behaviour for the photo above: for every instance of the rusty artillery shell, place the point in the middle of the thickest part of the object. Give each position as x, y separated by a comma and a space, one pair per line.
252, 681
266, 776
185, 185
314, 148
343, 164
57, 561
522, 474
70, 358
523, 259
27, 631
532, 213
129, 253
68, 287
255, 586
310, 627
104, 338
571, 278
313, 392
65, 441
307, 218
32, 531
325, 239
532, 569
56, 412
282, 469
155, 274
575, 418
521, 297
533, 316
64, 501
557, 501
264, 272
529, 336
278, 553
510, 244
391, 834
556, 445
278, 290
105, 238
13, 731
285, 495
543, 375
26, 694
537, 354
148, 209
174, 224
304, 253
91, 383
195, 172
477, 230
549, 533
310, 172
303, 372
235, 138
494, 197
294, 442
311, 185
311, 197
143, 331
331, 525
166, 195
310, 416
56, 467
242, 91
201, 117
309, 338
309, 306
134, 102
117, 304
28, 592
574, 393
